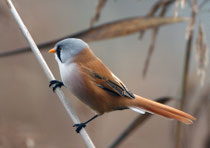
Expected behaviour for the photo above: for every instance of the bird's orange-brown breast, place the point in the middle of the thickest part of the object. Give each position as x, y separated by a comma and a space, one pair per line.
97, 98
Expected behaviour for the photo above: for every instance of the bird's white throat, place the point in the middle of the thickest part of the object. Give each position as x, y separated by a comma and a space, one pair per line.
71, 77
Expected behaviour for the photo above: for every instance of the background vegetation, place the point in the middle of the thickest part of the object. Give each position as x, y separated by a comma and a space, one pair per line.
31, 115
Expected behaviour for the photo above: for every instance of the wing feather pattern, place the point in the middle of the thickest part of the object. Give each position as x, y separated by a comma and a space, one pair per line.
106, 80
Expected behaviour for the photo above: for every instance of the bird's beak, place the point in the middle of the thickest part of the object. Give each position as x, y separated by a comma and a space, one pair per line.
52, 50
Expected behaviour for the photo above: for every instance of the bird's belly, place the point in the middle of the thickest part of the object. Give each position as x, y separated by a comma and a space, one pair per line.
72, 79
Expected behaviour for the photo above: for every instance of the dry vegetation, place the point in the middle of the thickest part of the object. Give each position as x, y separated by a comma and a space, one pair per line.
154, 19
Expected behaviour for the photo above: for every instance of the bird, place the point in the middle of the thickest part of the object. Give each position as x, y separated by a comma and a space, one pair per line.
92, 82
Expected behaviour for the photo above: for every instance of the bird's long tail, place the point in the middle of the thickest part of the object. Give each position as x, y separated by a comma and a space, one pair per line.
140, 104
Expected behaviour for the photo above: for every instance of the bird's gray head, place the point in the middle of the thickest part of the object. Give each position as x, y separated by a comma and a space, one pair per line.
69, 48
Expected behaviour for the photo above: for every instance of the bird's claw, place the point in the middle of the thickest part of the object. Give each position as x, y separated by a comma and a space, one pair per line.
55, 84
79, 126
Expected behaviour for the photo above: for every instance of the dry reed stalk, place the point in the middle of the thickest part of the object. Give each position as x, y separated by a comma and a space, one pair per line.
179, 131
100, 6
164, 5
47, 71
107, 31
201, 54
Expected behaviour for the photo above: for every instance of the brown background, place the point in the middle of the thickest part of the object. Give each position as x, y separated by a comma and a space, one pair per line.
30, 111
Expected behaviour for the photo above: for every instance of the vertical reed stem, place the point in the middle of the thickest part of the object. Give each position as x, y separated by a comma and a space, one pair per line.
179, 131
47, 71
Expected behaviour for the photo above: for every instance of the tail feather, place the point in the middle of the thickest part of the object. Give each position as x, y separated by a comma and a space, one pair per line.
161, 109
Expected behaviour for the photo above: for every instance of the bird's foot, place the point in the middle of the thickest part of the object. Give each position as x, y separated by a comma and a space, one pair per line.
79, 126
55, 84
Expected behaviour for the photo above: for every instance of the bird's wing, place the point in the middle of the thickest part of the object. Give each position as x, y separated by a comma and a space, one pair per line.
105, 79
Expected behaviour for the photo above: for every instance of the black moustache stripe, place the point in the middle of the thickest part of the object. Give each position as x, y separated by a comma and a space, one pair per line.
58, 51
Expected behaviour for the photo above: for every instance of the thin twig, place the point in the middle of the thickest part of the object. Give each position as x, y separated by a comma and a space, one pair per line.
47, 71
150, 52
165, 5
201, 54
154, 9
135, 124
179, 132
100, 6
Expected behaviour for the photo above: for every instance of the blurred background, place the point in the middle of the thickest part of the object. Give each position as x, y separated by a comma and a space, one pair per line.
32, 116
